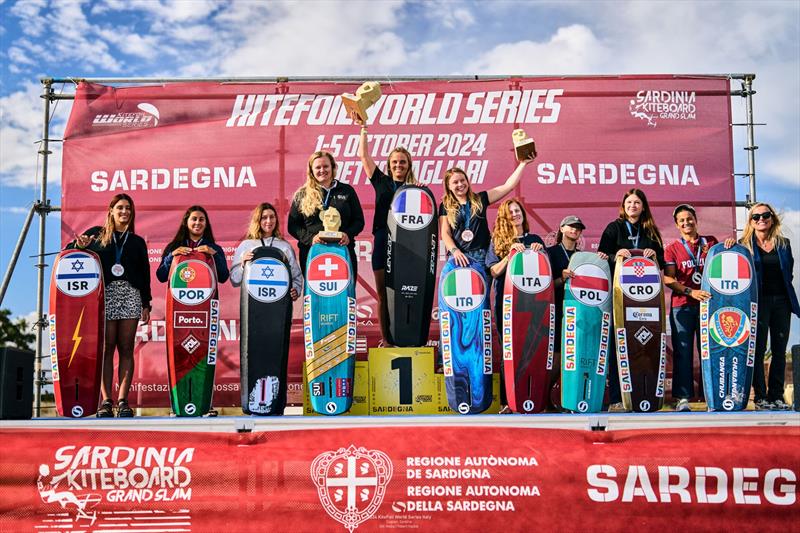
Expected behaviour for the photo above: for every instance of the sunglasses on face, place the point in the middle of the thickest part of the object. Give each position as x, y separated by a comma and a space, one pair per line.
761, 216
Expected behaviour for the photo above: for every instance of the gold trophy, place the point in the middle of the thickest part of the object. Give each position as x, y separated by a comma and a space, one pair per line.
365, 96
331, 222
523, 145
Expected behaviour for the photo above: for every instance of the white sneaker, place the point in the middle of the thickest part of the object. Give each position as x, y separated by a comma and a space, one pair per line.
683, 406
780, 405
616, 408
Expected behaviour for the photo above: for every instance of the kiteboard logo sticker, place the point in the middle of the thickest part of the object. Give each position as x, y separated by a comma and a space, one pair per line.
267, 280
77, 411
193, 282
190, 319
77, 274
589, 285
464, 289
190, 344
729, 273
643, 335
412, 209
530, 271
351, 483
730, 327
263, 393
639, 278
328, 274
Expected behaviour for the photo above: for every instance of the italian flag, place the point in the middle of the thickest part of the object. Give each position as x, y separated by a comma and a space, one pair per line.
463, 282
532, 264
729, 266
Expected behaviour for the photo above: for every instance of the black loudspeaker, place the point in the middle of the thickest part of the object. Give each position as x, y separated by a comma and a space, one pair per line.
16, 384
796, 375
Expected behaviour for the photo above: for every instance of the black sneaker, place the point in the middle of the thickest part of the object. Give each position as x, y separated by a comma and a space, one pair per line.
106, 409
763, 405
124, 410
780, 405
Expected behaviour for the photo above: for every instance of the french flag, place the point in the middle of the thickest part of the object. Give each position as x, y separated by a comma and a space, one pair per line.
413, 202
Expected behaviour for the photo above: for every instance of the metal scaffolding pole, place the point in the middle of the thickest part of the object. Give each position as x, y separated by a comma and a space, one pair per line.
751, 147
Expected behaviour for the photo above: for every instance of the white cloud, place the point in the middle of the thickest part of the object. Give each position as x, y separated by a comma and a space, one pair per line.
15, 210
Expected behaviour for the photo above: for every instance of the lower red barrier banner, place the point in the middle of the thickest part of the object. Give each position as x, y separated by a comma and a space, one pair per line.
441, 479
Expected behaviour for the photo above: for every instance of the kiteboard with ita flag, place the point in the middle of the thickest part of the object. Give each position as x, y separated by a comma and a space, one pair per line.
640, 332
411, 265
529, 316
728, 327
266, 322
77, 331
329, 328
192, 316
465, 324
585, 333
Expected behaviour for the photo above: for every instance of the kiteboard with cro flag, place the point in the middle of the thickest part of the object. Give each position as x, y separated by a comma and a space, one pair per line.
728, 327
640, 332
411, 264
465, 324
192, 316
585, 333
329, 328
77, 331
266, 321
529, 316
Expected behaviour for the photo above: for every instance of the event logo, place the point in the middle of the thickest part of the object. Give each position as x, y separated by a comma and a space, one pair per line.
650, 106
729, 273
639, 278
77, 274
530, 271
80, 479
464, 289
412, 209
267, 280
147, 117
193, 282
730, 327
328, 274
351, 483
589, 285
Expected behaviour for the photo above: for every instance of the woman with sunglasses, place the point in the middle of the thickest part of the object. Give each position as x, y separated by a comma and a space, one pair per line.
777, 300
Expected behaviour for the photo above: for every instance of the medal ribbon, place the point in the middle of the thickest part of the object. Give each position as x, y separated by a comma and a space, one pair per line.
118, 248
695, 258
632, 237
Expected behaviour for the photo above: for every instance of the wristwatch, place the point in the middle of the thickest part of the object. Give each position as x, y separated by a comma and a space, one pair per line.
687, 291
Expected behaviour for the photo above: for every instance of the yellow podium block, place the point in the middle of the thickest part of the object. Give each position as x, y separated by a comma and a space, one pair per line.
360, 405
402, 381
443, 408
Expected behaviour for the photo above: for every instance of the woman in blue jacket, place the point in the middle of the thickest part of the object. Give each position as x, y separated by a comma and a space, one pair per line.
194, 234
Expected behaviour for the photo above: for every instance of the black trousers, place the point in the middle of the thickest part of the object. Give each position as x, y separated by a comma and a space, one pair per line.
774, 318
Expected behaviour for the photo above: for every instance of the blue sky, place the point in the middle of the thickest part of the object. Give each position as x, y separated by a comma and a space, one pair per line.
202, 38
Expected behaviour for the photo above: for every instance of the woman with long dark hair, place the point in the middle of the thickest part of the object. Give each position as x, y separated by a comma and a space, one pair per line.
194, 234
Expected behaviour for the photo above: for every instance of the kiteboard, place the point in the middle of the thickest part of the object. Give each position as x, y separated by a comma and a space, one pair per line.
529, 316
266, 321
465, 323
77, 331
640, 332
192, 316
411, 264
728, 327
329, 328
585, 333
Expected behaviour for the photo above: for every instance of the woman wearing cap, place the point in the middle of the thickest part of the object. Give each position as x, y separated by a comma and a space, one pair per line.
683, 271
634, 228
777, 300
511, 232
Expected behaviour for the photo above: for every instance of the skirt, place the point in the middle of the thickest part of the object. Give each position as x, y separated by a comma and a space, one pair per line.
123, 301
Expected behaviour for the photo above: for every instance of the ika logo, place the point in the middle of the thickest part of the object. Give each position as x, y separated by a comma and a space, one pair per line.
147, 117
651, 106
351, 483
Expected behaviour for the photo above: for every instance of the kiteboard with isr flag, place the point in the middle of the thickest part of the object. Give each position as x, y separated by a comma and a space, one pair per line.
728, 327
411, 264
329, 328
192, 316
77, 331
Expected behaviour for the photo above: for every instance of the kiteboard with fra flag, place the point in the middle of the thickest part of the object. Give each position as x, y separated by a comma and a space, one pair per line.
77, 331
411, 265
266, 321
640, 332
728, 327
192, 316
329, 328
529, 316
585, 333
465, 324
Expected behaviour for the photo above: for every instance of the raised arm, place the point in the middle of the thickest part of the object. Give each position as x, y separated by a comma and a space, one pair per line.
367, 162
501, 191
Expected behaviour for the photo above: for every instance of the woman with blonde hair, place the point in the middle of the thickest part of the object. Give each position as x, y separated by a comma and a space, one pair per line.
320, 191
777, 300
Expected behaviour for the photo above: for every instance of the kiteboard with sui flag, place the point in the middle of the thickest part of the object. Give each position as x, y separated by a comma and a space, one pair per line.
640, 332
329, 328
192, 316
77, 331
465, 323
529, 316
266, 322
585, 334
411, 264
728, 327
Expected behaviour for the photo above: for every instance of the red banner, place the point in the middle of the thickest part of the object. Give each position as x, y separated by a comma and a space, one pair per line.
434, 479
230, 146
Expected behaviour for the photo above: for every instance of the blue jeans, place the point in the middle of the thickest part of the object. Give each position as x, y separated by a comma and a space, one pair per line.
685, 324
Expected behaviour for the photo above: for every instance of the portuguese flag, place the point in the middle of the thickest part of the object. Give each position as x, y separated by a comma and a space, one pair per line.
192, 275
